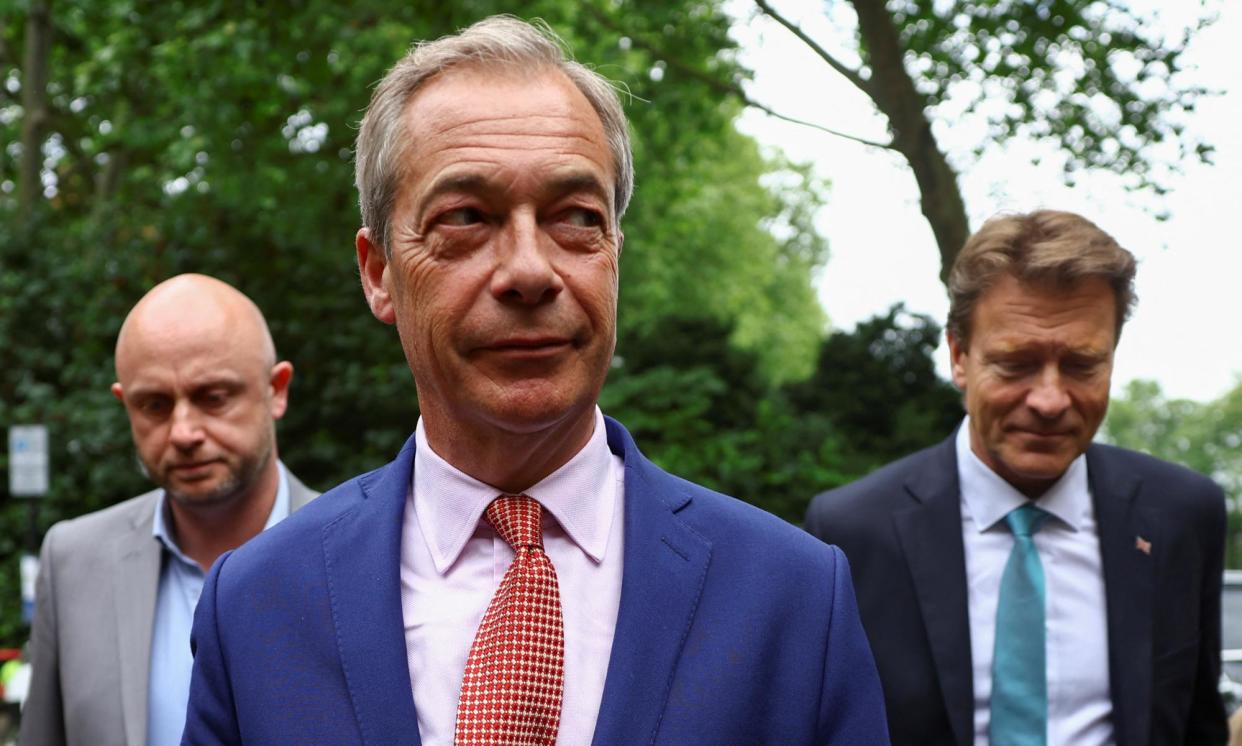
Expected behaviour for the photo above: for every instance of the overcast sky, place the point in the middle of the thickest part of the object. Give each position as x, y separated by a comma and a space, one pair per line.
1184, 333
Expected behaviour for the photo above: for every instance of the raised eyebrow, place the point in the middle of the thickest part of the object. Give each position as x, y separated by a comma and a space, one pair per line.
456, 182
577, 183
447, 184
558, 186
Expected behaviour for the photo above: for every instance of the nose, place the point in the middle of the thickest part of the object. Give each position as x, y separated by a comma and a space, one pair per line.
524, 272
186, 432
1048, 397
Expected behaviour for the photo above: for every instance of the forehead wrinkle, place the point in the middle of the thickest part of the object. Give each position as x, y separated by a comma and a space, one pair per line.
1009, 343
483, 119
504, 140
470, 178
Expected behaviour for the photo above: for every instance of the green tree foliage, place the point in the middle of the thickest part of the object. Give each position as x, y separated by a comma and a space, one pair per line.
699, 407
215, 137
1095, 78
1204, 436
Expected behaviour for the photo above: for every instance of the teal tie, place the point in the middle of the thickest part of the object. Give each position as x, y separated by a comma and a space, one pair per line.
1019, 679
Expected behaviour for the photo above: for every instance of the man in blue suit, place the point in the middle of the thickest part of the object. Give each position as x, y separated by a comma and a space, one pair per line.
520, 573
1019, 583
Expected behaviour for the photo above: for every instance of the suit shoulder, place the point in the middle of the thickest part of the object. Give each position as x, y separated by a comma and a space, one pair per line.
86, 544
304, 525
106, 522
1151, 468
1172, 484
720, 517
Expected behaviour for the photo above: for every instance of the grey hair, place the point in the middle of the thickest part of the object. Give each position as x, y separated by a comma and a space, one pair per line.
500, 41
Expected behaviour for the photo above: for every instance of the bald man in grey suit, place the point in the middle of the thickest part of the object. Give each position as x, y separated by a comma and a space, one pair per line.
110, 643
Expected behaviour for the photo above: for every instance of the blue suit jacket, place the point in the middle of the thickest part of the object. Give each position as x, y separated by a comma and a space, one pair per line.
902, 528
734, 627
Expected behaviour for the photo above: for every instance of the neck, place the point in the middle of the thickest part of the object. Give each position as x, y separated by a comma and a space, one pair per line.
206, 532
507, 460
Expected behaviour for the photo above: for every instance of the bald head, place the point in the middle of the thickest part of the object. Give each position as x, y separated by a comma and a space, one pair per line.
193, 306
196, 369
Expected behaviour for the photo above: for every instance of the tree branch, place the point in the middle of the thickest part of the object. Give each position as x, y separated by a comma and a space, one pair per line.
896, 95
728, 88
848, 72
34, 103
737, 91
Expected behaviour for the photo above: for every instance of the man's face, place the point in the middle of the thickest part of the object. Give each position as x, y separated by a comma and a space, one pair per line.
502, 279
1036, 376
201, 405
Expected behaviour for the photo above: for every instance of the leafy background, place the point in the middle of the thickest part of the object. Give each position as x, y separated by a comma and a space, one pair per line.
216, 137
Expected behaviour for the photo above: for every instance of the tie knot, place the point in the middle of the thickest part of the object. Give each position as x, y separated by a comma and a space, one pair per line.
1026, 520
518, 520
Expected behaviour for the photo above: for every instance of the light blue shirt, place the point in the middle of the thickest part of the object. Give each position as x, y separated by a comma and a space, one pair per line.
181, 583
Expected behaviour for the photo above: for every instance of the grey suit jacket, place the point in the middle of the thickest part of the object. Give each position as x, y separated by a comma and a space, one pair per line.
90, 644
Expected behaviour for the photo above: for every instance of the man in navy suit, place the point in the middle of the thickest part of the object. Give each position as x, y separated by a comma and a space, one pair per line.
1018, 583
493, 175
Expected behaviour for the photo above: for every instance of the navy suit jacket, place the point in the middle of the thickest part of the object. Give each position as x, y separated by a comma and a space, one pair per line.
901, 527
734, 627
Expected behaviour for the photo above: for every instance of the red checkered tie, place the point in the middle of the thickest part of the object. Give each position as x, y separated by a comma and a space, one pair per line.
511, 693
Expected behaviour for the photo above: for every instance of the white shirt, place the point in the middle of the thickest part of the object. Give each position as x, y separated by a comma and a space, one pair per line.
452, 563
1079, 706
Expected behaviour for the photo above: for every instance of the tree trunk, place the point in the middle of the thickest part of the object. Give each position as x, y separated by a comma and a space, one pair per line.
34, 103
893, 92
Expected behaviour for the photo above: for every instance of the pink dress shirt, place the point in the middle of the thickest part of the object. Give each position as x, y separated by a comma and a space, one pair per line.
452, 561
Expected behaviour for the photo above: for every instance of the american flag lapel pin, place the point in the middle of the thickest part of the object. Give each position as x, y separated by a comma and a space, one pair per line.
1143, 545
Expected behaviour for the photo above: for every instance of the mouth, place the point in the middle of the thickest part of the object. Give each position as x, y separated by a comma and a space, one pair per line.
533, 347
1041, 439
191, 469
1037, 433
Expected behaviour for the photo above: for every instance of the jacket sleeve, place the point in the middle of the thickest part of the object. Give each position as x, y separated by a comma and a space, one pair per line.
43, 722
1207, 722
851, 701
211, 717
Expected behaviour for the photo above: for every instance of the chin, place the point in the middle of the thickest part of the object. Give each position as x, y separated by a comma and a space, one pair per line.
535, 411
202, 495
1040, 470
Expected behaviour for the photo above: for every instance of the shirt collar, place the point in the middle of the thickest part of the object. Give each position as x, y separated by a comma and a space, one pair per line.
989, 498
449, 503
163, 532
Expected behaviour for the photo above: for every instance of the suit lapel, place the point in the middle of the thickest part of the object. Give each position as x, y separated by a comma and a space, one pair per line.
931, 539
135, 584
362, 556
665, 568
1128, 590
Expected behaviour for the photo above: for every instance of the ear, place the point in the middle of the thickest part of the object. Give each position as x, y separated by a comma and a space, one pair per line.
282, 374
957, 360
373, 267
118, 392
